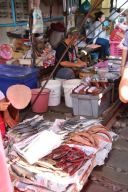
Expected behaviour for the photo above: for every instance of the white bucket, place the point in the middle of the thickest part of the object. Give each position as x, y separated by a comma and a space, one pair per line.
61, 81
68, 86
55, 94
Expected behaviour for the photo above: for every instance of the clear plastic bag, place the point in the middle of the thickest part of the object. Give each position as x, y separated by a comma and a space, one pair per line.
37, 21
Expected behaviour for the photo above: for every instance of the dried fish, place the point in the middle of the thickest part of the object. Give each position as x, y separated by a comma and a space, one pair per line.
76, 124
22, 172
48, 165
28, 127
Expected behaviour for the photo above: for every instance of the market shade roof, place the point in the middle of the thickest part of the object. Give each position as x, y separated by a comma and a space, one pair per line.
19, 96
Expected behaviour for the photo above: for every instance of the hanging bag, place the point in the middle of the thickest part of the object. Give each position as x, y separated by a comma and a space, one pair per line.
37, 21
85, 6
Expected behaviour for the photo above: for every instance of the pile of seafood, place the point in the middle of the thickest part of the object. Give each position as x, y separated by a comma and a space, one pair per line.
90, 137
70, 159
27, 128
37, 155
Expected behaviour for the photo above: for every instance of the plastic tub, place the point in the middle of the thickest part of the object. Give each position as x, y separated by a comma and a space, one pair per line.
68, 86
12, 74
55, 92
41, 104
114, 49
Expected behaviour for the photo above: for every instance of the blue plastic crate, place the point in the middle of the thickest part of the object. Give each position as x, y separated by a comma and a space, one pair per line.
12, 74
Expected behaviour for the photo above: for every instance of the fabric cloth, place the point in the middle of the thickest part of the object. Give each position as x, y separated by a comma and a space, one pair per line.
5, 181
70, 55
104, 51
2, 124
58, 27
65, 73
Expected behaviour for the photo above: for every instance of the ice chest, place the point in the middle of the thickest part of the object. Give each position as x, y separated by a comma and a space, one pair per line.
90, 105
12, 74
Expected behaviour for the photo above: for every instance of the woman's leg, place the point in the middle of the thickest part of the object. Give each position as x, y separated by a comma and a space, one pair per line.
104, 46
65, 73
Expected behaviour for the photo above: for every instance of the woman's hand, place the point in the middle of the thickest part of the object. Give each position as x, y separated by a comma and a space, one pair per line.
4, 105
81, 63
9, 120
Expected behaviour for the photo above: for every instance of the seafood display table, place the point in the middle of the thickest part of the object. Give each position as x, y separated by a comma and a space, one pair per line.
67, 159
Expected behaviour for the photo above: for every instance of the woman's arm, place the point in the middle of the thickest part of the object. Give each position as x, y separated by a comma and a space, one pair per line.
78, 63
125, 52
124, 58
4, 105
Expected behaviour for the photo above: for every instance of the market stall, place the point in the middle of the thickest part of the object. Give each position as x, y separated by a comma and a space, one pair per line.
64, 162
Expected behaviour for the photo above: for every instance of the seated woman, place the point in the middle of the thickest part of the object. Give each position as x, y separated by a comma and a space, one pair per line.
70, 60
100, 36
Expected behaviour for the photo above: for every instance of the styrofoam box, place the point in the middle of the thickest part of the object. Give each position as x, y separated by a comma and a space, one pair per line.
90, 105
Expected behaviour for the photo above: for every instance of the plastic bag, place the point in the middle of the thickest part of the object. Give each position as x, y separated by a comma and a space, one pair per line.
85, 6
5, 51
116, 35
37, 21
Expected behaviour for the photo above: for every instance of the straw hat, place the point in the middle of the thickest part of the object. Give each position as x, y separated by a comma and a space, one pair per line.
73, 31
19, 96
